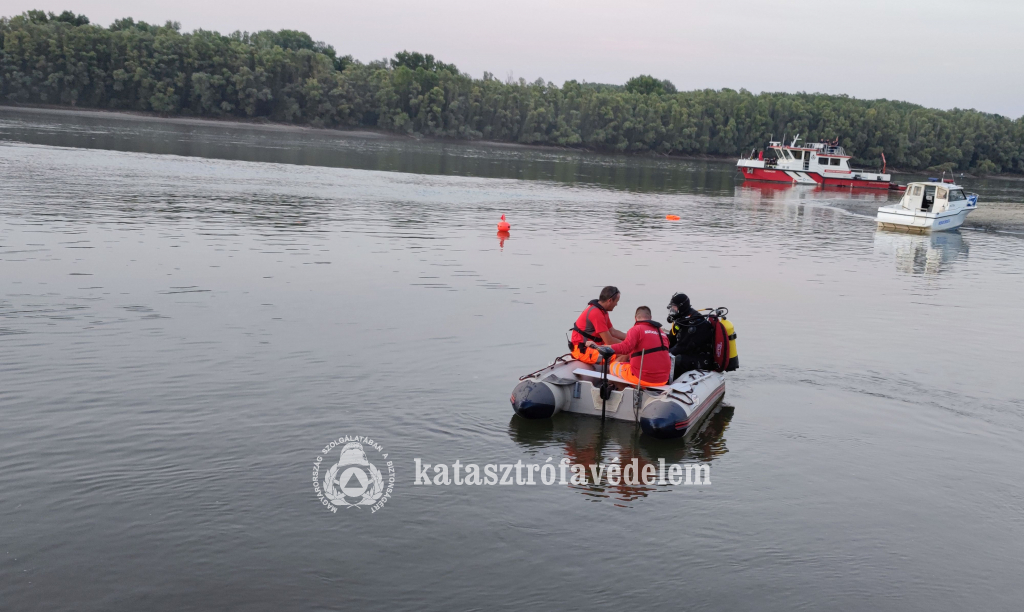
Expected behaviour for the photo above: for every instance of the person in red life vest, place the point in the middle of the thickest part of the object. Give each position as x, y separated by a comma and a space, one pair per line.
595, 326
647, 341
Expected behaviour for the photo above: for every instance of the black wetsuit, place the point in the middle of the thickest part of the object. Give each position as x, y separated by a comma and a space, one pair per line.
691, 338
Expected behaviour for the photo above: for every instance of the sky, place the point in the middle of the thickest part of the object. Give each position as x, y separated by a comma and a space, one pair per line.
939, 53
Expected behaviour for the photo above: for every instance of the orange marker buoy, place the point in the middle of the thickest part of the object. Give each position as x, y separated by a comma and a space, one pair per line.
672, 217
503, 225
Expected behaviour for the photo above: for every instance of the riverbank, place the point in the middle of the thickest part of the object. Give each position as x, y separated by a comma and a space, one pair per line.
260, 123
265, 125
997, 216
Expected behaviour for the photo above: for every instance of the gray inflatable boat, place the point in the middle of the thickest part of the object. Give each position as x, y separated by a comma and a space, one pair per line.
670, 411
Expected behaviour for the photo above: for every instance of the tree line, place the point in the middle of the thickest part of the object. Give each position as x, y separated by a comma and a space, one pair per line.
288, 77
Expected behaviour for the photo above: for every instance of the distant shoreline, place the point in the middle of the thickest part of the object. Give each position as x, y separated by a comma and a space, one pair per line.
268, 125
264, 124
990, 216
52, 109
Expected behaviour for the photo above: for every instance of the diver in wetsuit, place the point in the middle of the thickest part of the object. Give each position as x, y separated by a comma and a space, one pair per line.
690, 337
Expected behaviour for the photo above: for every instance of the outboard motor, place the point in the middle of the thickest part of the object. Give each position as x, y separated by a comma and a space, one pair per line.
533, 399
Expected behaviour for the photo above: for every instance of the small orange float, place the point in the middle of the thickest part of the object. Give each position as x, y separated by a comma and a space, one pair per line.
669, 217
503, 225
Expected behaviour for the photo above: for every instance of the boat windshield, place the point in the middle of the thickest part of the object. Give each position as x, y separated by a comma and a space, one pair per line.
956, 195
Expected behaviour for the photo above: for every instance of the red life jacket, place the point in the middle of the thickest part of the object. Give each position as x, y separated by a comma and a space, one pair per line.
584, 328
652, 349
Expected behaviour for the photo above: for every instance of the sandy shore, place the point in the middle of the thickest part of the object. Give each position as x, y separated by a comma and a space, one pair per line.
997, 216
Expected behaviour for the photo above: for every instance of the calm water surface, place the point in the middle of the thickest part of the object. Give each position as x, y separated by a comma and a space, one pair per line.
188, 314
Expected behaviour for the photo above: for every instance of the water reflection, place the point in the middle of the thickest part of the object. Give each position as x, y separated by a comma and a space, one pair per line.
921, 253
363, 150
754, 193
502, 237
589, 441
793, 192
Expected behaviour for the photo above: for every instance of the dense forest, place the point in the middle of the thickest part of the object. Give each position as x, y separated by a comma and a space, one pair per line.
288, 77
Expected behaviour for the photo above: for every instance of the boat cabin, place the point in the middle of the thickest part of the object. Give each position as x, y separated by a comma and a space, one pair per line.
931, 197
819, 156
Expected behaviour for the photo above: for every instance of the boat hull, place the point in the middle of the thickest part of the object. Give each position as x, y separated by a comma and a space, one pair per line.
796, 173
670, 411
799, 177
903, 219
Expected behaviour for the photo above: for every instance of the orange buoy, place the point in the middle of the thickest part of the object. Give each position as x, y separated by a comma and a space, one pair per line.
503, 225
672, 217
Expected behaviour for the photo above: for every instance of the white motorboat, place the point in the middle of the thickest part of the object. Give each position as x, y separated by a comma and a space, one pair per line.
928, 207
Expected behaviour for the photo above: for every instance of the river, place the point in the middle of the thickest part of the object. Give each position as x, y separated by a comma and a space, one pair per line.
190, 312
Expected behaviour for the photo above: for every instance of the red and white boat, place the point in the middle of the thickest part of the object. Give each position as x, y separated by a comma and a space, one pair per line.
812, 163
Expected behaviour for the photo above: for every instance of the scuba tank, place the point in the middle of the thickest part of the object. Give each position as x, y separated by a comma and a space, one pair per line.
724, 355
734, 359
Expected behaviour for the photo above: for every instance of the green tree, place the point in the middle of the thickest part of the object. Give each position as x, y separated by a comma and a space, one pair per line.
646, 85
289, 77
414, 60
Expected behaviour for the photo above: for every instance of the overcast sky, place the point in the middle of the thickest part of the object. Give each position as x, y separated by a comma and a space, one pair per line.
939, 53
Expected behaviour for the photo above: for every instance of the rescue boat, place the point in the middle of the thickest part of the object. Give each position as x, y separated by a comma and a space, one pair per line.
928, 207
812, 163
668, 411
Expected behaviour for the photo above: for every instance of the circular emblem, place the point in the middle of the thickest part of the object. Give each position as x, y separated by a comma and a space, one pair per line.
354, 480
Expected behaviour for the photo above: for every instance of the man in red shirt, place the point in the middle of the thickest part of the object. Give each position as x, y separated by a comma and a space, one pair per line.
647, 342
595, 326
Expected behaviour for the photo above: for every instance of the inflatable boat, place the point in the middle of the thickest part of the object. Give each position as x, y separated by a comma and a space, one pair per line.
669, 411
